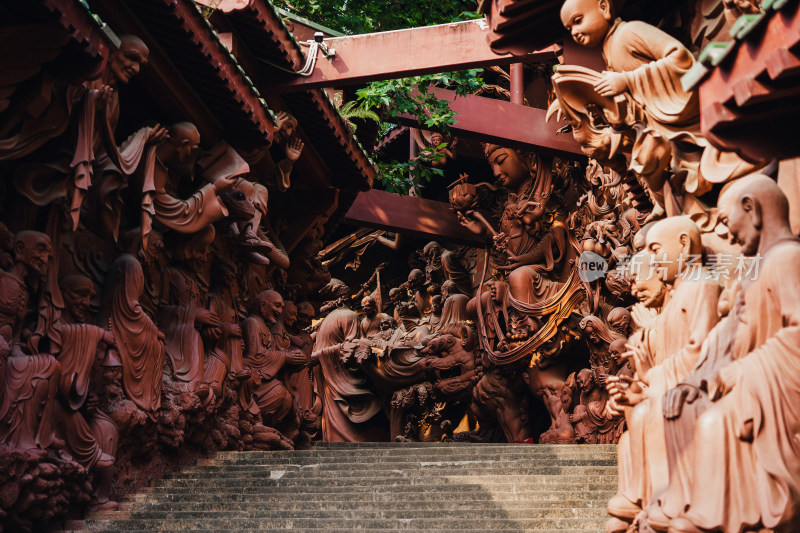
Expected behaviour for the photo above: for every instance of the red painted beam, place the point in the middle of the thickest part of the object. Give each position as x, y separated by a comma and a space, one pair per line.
504, 123
404, 53
409, 215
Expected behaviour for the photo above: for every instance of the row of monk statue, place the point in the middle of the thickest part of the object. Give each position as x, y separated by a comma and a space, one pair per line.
646, 297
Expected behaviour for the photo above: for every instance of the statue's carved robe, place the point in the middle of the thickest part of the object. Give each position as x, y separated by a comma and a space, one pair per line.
745, 451
79, 344
35, 131
672, 348
95, 153
177, 316
87, 437
653, 63
596, 425
348, 404
26, 414
410, 335
550, 264
266, 361
371, 326
192, 214
182, 215
140, 349
454, 271
454, 314
29, 382
230, 344
299, 380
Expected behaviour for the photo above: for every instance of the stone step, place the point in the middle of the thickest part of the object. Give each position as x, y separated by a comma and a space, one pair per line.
453, 523
420, 452
354, 514
456, 445
338, 461
367, 460
449, 468
330, 530
379, 487
386, 495
279, 478
445, 504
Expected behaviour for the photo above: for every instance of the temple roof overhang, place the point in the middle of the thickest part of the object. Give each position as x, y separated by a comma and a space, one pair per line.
749, 86
272, 55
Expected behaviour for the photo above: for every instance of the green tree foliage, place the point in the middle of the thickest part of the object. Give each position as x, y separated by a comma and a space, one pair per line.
367, 16
391, 98
400, 177
414, 97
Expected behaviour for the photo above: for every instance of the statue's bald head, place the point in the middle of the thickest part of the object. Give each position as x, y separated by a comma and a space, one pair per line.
751, 204
675, 228
126, 61
269, 304
587, 21
184, 139
184, 131
33, 249
640, 239
675, 243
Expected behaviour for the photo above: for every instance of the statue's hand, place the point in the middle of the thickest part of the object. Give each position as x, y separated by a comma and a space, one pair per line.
727, 378
207, 318
466, 220
515, 261
92, 402
157, 134
280, 117
624, 390
294, 149
103, 96
223, 184
611, 84
675, 399
108, 338
212, 334
296, 357
232, 330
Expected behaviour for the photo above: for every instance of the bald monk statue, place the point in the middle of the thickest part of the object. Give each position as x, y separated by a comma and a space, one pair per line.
266, 360
734, 421
663, 353
29, 380
159, 199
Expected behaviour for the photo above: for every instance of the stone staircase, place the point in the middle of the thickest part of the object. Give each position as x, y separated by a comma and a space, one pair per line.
380, 487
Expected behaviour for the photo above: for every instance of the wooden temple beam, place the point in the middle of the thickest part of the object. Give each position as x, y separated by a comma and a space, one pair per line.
504, 123
76, 18
162, 77
409, 215
404, 53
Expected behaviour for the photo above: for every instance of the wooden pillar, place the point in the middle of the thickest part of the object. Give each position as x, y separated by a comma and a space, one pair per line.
517, 83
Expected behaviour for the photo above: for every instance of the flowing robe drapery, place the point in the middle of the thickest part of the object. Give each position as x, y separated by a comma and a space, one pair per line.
177, 316
78, 352
348, 404
265, 360
653, 63
137, 337
746, 448
671, 348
